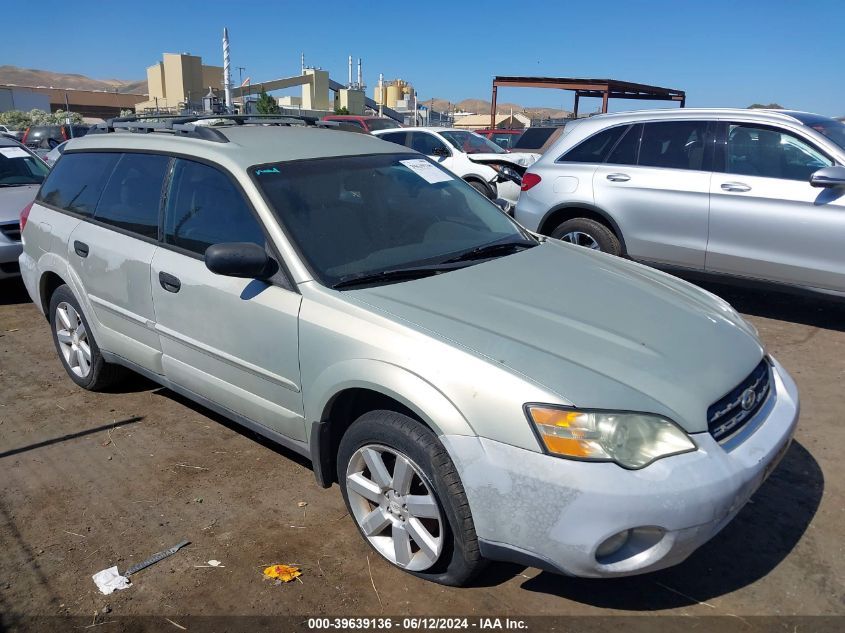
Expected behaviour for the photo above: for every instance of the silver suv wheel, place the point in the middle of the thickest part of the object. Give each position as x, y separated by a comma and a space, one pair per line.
394, 507
580, 238
73, 339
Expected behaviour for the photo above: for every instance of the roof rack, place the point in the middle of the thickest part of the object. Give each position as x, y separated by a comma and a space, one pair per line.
191, 125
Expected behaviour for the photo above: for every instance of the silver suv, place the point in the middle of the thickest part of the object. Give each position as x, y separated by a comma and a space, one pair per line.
359, 304
752, 194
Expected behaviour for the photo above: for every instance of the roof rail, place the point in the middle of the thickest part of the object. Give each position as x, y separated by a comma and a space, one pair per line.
192, 125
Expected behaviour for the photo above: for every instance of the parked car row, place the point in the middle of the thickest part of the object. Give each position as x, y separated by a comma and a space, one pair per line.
21, 173
477, 391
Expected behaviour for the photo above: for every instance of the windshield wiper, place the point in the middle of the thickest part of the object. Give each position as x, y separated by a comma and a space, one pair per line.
396, 274
491, 250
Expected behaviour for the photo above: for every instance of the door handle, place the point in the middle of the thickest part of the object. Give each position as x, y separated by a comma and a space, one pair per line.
618, 177
735, 186
169, 282
80, 248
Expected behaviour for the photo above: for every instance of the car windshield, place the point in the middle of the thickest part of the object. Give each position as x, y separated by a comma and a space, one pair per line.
355, 216
20, 167
831, 128
470, 142
381, 124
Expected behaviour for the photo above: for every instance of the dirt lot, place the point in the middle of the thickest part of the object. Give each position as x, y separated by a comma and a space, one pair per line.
82, 491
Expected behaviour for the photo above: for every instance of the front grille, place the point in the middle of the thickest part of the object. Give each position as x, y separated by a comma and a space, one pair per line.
11, 231
730, 413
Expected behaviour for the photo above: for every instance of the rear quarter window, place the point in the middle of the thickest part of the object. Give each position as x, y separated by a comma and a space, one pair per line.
595, 148
77, 181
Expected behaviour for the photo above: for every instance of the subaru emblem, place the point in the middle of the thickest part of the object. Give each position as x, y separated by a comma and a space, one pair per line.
749, 397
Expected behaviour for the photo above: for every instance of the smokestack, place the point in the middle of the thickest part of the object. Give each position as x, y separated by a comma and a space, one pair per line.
381, 94
227, 77
302, 62
349, 83
360, 76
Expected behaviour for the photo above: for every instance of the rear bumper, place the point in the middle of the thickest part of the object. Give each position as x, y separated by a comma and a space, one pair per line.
554, 513
9, 253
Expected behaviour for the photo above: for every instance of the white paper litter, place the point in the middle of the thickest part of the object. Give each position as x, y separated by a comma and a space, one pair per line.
214, 563
110, 580
426, 170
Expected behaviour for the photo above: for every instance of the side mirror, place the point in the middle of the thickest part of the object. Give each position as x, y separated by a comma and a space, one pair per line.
829, 177
239, 259
440, 151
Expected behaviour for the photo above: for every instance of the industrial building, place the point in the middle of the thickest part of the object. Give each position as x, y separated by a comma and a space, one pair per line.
180, 81
99, 104
515, 121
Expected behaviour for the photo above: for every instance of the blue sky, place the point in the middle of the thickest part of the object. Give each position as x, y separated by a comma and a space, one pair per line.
722, 53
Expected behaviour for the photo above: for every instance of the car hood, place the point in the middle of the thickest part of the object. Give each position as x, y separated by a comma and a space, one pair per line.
523, 159
599, 331
13, 200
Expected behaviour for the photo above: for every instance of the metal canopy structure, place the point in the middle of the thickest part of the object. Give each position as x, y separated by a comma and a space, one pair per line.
605, 89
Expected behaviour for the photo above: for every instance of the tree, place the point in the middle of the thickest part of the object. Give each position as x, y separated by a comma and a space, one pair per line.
343, 110
760, 106
15, 119
266, 104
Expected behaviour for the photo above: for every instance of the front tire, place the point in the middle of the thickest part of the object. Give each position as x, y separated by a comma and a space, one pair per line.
589, 234
483, 189
403, 491
75, 344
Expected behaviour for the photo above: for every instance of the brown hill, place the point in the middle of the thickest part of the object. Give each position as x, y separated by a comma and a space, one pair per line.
481, 106
48, 79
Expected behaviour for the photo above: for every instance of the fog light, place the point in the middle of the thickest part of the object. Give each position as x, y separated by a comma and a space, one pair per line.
612, 544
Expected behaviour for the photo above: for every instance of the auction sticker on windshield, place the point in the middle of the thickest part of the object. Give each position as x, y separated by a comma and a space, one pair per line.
13, 152
426, 170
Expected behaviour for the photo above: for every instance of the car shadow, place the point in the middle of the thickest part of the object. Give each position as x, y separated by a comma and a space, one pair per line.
796, 307
746, 550
234, 426
12, 291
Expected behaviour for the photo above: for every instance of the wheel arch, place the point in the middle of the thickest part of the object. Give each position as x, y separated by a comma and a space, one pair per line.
387, 387
564, 212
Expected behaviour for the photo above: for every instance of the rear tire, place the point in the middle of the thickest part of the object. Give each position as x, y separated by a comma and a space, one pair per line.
78, 351
391, 448
588, 233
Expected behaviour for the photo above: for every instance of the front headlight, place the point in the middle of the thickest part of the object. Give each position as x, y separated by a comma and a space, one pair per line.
632, 440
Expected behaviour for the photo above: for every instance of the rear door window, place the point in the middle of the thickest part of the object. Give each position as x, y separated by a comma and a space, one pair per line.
595, 148
673, 144
204, 207
76, 182
131, 199
395, 137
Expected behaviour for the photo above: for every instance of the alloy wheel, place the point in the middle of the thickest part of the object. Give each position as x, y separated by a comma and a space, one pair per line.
395, 507
579, 238
73, 339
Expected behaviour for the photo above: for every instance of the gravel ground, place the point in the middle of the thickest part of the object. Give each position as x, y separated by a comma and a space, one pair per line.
90, 480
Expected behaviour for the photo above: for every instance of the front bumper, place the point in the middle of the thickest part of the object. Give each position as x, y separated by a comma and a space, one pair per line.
554, 513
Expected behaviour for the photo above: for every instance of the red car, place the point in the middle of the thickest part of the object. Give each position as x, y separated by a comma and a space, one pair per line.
505, 139
366, 123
